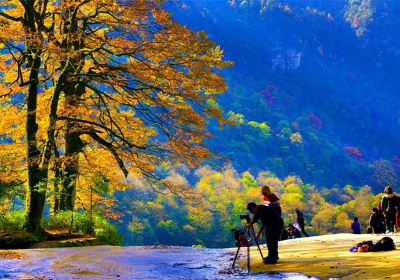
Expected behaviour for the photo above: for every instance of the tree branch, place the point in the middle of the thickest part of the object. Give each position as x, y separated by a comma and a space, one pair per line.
7, 16
112, 149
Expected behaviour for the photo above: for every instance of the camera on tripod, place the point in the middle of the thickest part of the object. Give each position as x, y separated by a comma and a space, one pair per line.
244, 238
245, 217
241, 239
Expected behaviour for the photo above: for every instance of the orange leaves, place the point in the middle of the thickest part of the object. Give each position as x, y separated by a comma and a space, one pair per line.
162, 17
136, 87
11, 127
10, 77
11, 163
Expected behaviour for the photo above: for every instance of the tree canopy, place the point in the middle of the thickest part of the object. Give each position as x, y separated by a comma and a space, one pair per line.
105, 84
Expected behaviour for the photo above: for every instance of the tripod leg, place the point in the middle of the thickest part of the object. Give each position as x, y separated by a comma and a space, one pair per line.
248, 258
259, 249
256, 241
237, 253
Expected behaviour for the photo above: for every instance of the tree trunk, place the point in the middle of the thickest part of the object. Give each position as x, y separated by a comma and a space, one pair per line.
58, 177
37, 174
36, 198
72, 91
73, 146
36, 192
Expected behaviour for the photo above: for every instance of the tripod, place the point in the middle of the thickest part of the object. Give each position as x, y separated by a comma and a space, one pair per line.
245, 238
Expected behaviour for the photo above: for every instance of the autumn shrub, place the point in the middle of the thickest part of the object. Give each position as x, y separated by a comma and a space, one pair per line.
106, 232
13, 220
198, 246
66, 220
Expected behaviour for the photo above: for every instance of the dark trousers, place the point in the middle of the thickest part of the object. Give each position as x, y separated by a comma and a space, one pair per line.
378, 229
303, 230
272, 235
390, 221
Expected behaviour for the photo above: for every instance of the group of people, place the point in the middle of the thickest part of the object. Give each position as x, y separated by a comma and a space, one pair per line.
385, 218
270, 215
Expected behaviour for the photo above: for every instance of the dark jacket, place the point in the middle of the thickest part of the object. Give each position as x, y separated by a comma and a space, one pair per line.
376, 220
268, 216
389, 204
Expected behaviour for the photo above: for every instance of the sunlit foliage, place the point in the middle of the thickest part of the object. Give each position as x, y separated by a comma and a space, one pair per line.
225, 194
117, 86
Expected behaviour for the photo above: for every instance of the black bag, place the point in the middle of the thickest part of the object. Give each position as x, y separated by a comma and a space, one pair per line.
369, 243
385, 244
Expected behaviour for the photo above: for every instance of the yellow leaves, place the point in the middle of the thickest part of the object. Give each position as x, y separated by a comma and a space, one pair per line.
161, 16
14, 9
296, 138
293, 188
156, 207
189, 228
12, 122
11, 162
236, 118
89, 9
343, 222
293, 180
10, 77
200, 217
136, 227
324, 220
253, 194
144, 82
292, 201
293, 196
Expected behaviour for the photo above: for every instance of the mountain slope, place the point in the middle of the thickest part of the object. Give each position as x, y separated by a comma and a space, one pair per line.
323, 77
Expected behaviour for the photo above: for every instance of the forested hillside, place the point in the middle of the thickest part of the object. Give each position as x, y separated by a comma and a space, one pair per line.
314, 88
313, 98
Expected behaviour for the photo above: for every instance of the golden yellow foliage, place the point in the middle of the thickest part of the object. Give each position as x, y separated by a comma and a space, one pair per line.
120, 86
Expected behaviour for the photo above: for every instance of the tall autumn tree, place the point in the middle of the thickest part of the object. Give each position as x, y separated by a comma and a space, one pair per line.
141, 88
116, 79
22, 47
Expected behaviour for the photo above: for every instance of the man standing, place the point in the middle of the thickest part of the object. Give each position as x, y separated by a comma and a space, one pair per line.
355, 226
389, 207
300, 221
273, 225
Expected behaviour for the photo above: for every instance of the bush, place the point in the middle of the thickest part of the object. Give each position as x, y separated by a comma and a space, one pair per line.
63, 220
106, 233
12, 221
198, 246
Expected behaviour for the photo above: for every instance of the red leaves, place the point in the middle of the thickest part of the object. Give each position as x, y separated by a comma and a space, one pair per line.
353, 152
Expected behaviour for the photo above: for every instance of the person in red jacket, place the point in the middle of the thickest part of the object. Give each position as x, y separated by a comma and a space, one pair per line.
270, 199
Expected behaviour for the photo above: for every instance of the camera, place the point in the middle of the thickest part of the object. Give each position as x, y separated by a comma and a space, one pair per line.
245, 217
241, 239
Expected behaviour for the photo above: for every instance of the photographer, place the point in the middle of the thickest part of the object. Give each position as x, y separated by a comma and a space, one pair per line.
273, 225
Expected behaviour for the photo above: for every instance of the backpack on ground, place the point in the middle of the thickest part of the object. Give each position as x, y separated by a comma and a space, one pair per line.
385, 244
